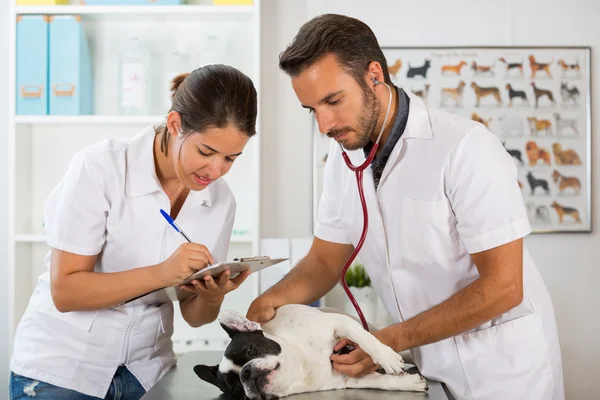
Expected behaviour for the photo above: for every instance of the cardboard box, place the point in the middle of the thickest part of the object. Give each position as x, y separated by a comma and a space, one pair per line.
32, 65
70, 74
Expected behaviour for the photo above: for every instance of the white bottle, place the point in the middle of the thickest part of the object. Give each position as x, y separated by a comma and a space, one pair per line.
210, 53
175, 64
135, 78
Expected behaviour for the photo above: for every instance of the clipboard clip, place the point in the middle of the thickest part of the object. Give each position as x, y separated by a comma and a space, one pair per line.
256, 258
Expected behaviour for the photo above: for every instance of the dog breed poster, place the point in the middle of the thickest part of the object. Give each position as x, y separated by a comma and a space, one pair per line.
536, 100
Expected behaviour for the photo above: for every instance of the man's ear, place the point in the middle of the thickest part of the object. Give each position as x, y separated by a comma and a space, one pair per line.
233, 323
208, 374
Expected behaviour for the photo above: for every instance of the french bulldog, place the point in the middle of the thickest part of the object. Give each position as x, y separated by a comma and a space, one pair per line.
291, 354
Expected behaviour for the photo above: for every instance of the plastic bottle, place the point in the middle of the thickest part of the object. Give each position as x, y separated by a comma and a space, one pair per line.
211, 51
135, 78
175, 64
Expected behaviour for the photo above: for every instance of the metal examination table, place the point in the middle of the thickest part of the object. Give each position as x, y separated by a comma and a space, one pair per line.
182, 383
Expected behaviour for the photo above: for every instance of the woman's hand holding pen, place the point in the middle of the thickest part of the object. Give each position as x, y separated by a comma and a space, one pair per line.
185, 261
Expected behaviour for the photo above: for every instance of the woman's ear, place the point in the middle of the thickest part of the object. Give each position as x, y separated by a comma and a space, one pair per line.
174, 123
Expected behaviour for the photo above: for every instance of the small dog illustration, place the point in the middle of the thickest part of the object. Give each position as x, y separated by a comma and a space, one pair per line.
422, 93
563, 124
539, 67
537, 125
513, 65
476, 117
569, 69
569, 94
395, 68
535, 153
455, 94
516, 154
542, 214
516, 94
561, 211
511, 125
453, 69
565, 157
565, 182
539, 93
482, 69
422, 70
481, 92
534, 183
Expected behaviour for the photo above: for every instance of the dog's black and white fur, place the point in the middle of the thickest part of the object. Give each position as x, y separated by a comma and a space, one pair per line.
290, 355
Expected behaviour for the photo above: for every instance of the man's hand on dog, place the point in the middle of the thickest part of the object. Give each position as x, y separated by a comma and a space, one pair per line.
354, 364
260, 311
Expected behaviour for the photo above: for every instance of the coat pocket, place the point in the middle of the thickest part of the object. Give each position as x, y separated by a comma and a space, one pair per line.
428, 230
63, 339
507, 361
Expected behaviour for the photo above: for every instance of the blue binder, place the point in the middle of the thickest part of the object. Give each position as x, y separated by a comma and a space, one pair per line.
32, 65
71, 81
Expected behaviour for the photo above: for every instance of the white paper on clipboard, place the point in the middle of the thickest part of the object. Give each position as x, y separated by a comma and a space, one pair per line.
235, 267
254, 264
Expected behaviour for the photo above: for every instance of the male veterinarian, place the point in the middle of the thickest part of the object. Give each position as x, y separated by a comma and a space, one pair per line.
446, 222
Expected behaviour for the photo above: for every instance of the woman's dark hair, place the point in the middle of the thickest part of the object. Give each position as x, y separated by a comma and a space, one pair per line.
213, 96
350, 40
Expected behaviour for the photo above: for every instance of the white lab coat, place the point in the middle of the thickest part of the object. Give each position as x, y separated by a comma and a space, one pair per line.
109, 200
448, 189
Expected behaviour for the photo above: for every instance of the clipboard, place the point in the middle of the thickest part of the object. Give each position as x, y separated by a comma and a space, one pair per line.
236, 266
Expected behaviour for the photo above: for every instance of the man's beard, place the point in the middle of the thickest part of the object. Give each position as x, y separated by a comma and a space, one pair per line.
367, 121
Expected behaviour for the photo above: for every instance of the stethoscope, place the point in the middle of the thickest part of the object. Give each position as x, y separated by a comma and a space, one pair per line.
359, 174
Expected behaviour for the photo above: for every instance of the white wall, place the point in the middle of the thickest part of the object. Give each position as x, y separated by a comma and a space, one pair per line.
568, 262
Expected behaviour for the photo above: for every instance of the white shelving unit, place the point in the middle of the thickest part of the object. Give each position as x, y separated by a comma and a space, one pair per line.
133, 11
41, 146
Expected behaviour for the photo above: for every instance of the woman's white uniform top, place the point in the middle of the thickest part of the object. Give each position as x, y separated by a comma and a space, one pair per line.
449, 189
108, 202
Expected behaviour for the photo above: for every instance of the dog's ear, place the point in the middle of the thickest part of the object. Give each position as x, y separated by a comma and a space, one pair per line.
209, 374
233, 323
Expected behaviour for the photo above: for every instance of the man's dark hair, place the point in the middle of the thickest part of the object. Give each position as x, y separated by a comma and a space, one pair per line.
350, 40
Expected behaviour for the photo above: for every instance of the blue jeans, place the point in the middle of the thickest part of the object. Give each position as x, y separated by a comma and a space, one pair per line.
124, 386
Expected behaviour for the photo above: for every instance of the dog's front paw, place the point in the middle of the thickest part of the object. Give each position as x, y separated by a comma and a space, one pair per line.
391, 362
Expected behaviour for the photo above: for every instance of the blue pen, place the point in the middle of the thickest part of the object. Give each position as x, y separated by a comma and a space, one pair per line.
173, 224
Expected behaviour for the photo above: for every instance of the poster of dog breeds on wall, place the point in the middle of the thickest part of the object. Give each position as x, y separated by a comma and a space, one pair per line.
536, 100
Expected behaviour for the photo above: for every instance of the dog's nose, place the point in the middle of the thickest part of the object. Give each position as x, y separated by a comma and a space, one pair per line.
246, 373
